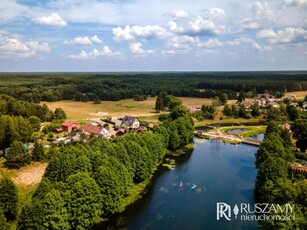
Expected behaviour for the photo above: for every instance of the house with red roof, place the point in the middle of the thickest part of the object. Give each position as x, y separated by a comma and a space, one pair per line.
89, 129
68, 126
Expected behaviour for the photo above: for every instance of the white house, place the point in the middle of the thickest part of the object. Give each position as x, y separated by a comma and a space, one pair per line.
130, 122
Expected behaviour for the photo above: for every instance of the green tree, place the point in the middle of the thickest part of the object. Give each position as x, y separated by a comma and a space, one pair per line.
299, 129
241, 96
293, 112
55, 215
83, 164
35, 123
227, 111
17, 156
8, 198
31, 216
38, 153
174, 138
172, 102
256, 112
159, 103
109, 181
61, 166
43, 188
223, 97
138, 160
84, 201
4, 225
59, 114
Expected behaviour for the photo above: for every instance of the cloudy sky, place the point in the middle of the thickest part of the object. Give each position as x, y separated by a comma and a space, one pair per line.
157, 35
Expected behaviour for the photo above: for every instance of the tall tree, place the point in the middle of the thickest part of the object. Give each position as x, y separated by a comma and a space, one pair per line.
17, 156
38, 153
299, 129
59, 114
35, 123
159, 103
84, 201
4, 225
8, 198
55, 215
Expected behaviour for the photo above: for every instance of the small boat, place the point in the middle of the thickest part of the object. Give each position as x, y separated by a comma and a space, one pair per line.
180, 184
194, 186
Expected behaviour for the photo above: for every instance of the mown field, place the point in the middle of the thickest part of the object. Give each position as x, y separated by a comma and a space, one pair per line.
85, 110
298, 94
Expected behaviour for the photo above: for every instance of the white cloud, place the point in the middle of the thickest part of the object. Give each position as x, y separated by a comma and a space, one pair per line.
201, 26
262, 14
211, 43
85, 40
182, 43
106, 51
79, 41
96, 39
287, 35
10, 9
172, 26
52, 20
12, 46
211, 22
139, 32
179, 14
185, 44
299, 3
251, 42
214, 14
136, 48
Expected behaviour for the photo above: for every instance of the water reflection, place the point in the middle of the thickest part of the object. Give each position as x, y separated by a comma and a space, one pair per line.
221, 173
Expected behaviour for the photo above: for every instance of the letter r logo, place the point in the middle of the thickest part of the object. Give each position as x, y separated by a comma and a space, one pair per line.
223, 210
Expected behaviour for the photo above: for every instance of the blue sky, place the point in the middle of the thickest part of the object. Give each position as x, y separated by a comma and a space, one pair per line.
140, 35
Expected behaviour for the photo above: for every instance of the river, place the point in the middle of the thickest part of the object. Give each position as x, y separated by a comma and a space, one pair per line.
221, 172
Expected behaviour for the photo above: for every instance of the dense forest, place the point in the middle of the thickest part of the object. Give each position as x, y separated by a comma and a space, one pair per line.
86, 183
276, 183
115, 86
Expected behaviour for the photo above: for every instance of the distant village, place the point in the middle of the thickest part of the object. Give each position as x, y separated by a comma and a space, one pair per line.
264, 101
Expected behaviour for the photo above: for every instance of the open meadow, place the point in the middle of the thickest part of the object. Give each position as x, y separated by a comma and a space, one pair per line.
298, 94
86, 110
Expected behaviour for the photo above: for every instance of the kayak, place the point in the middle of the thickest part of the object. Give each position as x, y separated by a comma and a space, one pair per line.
194, 186
180, 184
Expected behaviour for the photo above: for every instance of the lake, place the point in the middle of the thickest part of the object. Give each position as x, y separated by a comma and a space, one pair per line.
221, 172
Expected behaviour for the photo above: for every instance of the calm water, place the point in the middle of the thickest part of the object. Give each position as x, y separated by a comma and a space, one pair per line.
222, 173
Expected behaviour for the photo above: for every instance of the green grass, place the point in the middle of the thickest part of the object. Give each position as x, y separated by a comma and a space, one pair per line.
251, 130
25, 191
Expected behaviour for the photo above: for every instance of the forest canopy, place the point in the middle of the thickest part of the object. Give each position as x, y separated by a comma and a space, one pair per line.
36, 87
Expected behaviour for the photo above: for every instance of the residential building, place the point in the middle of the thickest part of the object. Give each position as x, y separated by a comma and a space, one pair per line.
89, 129
130, 122
68, 126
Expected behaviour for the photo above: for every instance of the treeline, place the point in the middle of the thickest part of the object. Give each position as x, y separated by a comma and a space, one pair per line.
117, 86
86, 183
8, 203
275, 183
13, 107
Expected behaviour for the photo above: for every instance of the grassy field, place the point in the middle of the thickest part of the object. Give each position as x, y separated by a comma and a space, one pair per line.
84, 110
26, 180
298, 94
